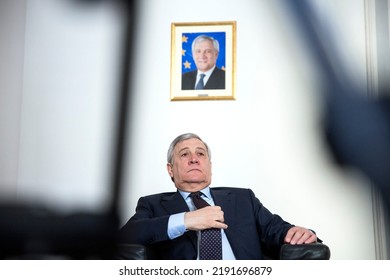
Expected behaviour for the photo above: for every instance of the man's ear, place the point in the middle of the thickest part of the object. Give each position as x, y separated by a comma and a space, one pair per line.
169, 168
170, 172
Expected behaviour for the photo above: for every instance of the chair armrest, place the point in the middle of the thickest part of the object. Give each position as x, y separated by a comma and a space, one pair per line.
312, 251
131, 252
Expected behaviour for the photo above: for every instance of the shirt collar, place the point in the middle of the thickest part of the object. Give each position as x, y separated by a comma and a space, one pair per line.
206, 192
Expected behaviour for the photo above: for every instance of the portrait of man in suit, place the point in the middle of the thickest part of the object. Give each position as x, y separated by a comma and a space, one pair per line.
205, 51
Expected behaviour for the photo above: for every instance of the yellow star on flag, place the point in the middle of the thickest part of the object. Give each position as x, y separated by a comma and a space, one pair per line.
183, 52
187, 65
184, 39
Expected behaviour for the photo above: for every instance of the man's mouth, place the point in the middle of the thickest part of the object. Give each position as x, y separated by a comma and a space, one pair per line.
194, 170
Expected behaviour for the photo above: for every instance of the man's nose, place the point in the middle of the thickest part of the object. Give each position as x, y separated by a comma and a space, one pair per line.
194, 159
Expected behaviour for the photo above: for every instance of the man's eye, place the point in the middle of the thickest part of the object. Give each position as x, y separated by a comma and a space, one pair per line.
201, 154
184, 154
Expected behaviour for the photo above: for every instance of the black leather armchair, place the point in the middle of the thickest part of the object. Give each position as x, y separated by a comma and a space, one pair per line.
313, 251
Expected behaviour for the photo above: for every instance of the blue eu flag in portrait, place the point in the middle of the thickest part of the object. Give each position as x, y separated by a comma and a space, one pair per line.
188, 63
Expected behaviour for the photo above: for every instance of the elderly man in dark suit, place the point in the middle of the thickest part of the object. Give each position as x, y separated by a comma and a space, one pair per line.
173, 226
205, 50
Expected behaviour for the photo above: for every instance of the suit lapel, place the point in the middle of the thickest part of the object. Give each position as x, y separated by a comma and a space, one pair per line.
227, 200
174, 203
216, 80
211, 83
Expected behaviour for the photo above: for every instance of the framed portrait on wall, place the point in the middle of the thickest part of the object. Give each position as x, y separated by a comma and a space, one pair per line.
203, 59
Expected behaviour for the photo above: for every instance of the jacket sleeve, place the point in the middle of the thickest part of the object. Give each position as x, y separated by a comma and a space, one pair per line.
271, 228
144, 227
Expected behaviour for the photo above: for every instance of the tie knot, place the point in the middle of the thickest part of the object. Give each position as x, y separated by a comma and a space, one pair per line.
198, 201
196, 194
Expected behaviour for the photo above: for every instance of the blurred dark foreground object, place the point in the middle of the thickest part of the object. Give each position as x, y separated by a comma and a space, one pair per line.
37, 233
358, 133
313, 251
29, 231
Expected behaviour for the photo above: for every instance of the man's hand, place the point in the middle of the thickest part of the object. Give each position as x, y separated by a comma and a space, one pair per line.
300, 235
208, 217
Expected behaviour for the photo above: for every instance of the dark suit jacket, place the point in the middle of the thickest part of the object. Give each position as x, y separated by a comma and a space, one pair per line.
253, 231
216, 80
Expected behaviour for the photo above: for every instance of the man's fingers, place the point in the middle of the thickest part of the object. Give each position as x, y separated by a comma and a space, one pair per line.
220, 225
208, 217
299, 235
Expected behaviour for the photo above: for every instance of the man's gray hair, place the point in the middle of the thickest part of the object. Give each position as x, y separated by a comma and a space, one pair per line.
181, 138
202, 38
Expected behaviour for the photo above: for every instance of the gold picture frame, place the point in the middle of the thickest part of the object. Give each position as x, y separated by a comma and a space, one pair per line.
182, 62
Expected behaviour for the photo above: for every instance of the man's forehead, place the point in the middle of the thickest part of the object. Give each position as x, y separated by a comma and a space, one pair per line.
205, 42
190, 143
189, 148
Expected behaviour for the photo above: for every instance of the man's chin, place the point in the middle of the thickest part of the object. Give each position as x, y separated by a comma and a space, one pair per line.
203, 68
195, 180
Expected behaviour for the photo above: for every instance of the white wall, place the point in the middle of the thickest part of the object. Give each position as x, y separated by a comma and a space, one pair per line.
268, 139
12, 26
